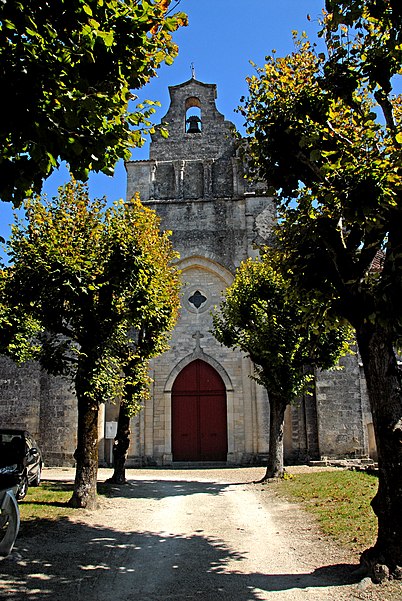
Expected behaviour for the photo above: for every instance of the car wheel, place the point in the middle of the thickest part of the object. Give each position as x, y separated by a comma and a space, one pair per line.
22, 488
36, 481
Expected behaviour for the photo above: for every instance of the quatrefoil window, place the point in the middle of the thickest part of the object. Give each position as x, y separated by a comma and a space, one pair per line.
197, 299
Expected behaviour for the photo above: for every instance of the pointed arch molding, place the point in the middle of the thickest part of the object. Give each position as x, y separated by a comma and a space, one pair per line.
198, 354
208, 264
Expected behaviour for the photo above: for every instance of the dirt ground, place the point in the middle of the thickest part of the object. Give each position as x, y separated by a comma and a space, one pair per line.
184, 534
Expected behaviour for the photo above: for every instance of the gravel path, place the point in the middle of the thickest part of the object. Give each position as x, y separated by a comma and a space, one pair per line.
178, 535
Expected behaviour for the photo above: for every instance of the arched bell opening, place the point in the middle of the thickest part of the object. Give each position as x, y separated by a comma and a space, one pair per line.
193, 118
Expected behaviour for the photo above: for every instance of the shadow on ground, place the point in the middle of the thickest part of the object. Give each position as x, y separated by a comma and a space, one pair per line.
148, 489
73, 560
161, 489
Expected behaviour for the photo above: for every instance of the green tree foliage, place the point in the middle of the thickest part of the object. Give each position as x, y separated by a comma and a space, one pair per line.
380, 24
99, 294
258, 317
326, 133
67, 68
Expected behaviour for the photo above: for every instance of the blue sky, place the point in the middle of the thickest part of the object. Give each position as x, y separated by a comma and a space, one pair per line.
221, 39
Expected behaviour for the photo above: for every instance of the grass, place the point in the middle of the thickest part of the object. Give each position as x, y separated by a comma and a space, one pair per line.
340, 500
49, 501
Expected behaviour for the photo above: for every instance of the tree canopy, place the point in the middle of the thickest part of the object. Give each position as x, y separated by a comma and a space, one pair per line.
325, 132
379, 22
259, 317
92, 292
67, 69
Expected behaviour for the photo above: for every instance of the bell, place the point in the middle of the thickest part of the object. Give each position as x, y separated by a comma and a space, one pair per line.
193, 125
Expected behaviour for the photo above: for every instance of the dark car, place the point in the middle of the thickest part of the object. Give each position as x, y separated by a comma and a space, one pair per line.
20, 461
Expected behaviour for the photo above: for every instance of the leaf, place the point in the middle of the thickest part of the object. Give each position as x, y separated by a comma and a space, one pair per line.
87, 9
107, 37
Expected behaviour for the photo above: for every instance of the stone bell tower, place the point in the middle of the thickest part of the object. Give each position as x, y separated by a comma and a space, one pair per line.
195, 181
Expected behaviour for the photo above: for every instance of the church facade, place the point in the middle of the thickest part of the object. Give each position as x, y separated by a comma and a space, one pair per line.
205, 405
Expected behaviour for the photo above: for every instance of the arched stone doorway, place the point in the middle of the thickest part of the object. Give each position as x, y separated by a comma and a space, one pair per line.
199, 414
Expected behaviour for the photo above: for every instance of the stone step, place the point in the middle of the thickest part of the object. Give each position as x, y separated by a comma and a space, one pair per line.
196, 465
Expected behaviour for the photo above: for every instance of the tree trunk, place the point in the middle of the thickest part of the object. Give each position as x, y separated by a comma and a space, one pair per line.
120, 447
384, 390
86, 453
277, 409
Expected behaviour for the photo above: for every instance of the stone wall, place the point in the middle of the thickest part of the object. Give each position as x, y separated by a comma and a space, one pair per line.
20, 396
339, 407
45, 406
58, 421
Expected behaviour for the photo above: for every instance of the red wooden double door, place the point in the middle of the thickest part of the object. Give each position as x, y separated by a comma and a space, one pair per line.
199, 414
